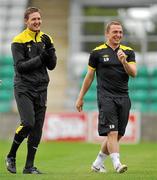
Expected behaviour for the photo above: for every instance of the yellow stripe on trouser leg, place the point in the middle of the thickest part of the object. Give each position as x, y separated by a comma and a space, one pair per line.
19, 129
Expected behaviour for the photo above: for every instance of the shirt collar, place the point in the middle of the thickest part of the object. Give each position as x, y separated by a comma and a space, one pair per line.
32, 33
111, 48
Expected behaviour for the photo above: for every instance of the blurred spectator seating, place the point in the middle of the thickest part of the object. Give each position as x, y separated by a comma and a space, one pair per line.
6, 88
11, 13
11, 23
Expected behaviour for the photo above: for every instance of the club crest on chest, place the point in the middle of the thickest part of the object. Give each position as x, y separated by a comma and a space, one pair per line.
106, 57
29, 47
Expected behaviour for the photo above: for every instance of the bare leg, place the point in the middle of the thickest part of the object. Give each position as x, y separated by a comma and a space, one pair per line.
104, 147
113, 148
98, 164
112, 142
110, 146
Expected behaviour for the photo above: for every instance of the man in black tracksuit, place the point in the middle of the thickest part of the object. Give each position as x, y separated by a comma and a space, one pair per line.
33, 53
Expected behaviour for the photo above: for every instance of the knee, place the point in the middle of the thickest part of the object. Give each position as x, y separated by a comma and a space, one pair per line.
112, 135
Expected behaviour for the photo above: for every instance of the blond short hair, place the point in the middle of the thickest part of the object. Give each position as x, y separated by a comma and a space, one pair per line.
108, 25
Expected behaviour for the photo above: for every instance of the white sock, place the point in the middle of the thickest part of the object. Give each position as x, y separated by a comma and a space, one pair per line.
100, 159
115, 159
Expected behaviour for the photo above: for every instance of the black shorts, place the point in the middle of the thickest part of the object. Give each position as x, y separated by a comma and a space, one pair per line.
113, 115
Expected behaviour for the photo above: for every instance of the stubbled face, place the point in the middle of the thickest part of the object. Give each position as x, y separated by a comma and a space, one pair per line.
114, 35
34, 22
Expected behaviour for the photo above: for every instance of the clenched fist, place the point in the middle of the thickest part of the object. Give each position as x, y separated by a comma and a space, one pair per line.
121, 56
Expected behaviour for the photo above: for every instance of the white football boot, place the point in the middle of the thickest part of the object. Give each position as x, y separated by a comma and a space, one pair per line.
98, 169
121, 168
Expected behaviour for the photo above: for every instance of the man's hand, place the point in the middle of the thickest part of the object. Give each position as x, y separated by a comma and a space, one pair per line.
44, 56
121, 56
79, 104
47, 41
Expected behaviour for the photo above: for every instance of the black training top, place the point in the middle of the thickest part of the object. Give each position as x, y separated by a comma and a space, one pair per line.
30, 70
112, 80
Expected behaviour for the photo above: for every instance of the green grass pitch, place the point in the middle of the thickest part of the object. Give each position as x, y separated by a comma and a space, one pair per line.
72, 161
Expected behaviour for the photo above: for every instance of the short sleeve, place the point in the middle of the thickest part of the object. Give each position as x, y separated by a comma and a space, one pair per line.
131, 56
92, 60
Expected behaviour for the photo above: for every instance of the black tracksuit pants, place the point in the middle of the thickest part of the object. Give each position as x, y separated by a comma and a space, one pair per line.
32, 108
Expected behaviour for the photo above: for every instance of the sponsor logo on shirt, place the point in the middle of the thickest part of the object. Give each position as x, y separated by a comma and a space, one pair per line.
106, 57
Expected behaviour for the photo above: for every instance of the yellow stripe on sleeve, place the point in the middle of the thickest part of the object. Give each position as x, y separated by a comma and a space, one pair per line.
90, 67
132, 62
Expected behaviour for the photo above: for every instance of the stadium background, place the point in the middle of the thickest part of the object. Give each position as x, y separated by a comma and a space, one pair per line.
77, 26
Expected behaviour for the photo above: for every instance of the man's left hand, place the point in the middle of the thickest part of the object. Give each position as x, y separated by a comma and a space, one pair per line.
47, 41
121, 56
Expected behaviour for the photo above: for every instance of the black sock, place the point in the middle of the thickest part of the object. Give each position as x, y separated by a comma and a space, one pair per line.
15, 145
31, 151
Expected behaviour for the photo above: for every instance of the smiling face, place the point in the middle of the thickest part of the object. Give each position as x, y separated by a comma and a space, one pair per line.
34, 21
114, 35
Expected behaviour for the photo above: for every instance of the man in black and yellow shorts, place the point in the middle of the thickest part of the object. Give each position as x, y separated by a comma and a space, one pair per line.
33, 53
112, 63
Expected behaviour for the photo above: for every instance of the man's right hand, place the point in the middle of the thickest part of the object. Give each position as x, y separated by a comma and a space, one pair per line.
44, 55
79, 104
